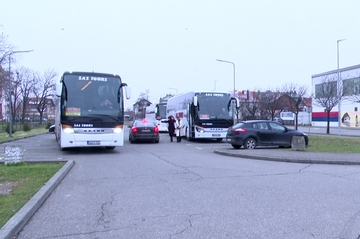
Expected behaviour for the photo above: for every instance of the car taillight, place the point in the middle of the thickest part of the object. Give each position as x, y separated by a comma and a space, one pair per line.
134, 130
156, 129
240, 130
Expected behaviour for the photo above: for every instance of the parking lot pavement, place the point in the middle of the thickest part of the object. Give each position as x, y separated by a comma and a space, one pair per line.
270, 154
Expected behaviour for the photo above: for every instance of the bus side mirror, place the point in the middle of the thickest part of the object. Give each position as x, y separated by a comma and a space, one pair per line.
237, 103
58, 89
127, 92
195, 101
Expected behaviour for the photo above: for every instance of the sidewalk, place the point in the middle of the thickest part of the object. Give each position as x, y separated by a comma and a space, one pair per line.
290, 156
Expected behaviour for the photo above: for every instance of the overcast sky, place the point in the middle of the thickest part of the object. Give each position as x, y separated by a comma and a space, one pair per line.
172, 46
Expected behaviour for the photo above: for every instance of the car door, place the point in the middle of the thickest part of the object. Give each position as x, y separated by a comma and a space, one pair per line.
280, 137
264, 134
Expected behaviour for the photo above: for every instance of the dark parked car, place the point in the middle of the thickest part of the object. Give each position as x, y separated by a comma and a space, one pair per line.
253, 133
52, 129
144, 130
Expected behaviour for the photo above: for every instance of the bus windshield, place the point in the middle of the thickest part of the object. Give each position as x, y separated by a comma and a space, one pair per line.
161, 114
92, 95
214, 106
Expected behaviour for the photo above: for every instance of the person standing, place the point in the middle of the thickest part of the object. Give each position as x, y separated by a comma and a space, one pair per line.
178, 129
171, 126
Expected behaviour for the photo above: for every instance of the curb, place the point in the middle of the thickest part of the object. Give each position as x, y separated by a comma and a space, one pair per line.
288, 159
15, 224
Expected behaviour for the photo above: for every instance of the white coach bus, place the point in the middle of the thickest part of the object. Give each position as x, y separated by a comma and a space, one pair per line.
90, 110
205, 114
157, 113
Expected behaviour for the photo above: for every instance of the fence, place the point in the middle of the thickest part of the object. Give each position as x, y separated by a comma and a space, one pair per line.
18, 126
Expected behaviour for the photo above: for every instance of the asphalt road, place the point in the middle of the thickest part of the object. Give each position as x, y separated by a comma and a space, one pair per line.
184, 190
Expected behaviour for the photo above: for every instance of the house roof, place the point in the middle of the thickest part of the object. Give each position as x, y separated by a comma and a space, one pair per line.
142, 102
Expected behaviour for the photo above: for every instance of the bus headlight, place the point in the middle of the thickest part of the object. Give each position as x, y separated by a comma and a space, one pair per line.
118, 129
199, 129
67, 129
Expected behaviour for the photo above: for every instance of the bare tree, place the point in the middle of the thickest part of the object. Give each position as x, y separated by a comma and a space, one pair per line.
270, 103
326, 95
5, 49
293, 99
25, 83
43, 90
16, 99
250, 105
144, 95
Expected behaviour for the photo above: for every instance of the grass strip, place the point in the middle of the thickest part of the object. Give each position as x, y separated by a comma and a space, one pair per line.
19, 182
333, 144
22, 134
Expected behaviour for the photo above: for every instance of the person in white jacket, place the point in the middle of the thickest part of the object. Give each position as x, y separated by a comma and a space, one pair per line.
178, 129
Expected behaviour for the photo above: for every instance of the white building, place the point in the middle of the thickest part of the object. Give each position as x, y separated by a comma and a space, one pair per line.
349, 110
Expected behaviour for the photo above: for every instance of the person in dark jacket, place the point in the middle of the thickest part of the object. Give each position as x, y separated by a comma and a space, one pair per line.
171, 126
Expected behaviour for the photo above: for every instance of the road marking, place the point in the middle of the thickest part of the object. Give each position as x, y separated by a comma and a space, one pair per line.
191, 145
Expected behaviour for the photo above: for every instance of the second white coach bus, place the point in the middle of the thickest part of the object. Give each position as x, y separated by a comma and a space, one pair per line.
157, 113
205, 115
90, 110
160, 114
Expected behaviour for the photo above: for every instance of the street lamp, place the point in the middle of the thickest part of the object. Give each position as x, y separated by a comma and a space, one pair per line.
234, 70
234, 107
339, 86
10, 113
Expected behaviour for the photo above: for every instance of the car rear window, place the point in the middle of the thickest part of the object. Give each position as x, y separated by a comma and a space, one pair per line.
144, 123
260, 125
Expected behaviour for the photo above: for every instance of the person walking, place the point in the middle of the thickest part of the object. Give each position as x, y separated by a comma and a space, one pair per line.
171, 126
178, 129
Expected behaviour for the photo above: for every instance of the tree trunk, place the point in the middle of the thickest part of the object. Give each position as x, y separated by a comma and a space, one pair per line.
328, 122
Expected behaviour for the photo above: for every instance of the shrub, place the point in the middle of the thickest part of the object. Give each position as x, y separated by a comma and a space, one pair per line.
48, 125
26, 127
7, 129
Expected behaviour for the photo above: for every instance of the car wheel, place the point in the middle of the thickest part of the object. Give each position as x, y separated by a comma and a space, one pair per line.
110, 147
236, 146
250, 143
219, 139
157, 141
